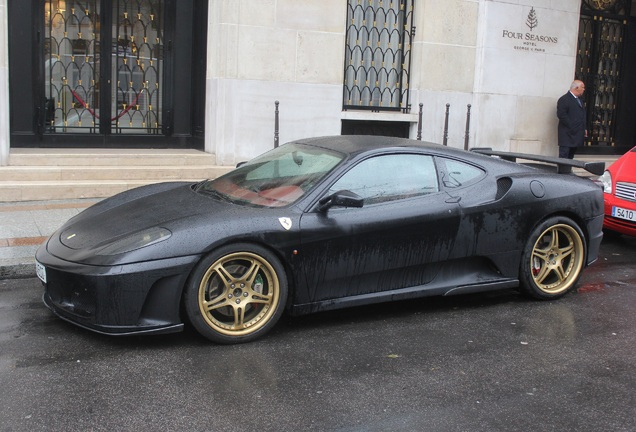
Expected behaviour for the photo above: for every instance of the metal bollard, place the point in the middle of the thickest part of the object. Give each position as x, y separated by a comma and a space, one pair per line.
446, 124
276, 125
466, 136
419, 124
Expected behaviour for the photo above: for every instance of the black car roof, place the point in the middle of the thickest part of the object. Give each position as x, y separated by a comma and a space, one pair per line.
356, 144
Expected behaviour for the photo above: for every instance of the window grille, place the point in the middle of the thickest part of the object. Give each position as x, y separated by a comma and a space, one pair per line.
73, 48
378, 55
602, 28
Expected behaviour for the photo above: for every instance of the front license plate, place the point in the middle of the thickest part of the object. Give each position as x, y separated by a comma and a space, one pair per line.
622, 213
40, 270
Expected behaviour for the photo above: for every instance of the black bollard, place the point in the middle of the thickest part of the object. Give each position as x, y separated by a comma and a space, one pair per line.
419, 124
276, 125
446, 124
466, 136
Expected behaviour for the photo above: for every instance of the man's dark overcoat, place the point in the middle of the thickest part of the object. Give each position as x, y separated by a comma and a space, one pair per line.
571, 116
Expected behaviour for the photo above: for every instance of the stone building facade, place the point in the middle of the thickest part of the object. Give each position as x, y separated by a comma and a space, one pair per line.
485, 73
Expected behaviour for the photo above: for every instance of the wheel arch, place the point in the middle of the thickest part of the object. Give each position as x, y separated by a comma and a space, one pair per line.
291, 284
580, 222
551, 270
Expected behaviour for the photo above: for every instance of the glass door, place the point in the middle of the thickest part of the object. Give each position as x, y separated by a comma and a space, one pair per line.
137, 62
103, 65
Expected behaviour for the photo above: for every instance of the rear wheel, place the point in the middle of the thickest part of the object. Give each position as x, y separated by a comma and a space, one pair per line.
236, 294
553, 259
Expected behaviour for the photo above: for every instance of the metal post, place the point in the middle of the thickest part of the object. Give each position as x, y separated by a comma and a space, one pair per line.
276, 125
467, 127
446, 124
419, 124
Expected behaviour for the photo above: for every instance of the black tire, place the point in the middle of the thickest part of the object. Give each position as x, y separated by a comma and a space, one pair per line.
236, 294
553, 259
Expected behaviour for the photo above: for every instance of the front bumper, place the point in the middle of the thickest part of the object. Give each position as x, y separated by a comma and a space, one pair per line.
119, 300
612, 223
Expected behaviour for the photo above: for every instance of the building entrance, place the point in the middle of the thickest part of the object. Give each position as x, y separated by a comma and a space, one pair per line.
96, 87
108, 73
606, 46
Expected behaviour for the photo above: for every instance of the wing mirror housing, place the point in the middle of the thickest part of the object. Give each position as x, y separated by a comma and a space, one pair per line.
343, 198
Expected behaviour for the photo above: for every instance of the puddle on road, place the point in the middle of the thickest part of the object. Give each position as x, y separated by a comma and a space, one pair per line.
601, 286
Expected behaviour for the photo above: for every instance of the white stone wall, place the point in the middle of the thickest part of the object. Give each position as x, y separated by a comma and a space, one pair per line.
443, 67
464, 52
274, 50
519, 79
292, 51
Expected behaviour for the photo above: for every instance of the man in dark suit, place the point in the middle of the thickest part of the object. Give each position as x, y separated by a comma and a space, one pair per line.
571, 114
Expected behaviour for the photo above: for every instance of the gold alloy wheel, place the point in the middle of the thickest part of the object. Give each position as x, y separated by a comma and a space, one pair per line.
557, 259
238, 294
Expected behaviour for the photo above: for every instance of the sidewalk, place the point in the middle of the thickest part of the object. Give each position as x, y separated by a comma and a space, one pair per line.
24, 226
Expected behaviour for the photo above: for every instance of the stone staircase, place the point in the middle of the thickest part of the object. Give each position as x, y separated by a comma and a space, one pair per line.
61, 174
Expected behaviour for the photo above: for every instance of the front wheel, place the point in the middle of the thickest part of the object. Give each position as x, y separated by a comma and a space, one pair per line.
553, 259
236, 294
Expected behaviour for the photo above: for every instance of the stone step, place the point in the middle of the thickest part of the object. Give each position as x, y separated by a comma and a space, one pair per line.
106, 157
49, 190
60, 174
95, 172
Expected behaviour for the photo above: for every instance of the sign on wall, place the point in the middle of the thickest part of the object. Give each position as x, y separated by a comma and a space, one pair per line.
531, 39
529, 29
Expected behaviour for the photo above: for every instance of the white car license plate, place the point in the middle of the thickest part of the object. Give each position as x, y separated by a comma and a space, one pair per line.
622, 213
40, 270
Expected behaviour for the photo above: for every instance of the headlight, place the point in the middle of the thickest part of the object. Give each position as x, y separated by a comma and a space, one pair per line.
136, 241
606, 181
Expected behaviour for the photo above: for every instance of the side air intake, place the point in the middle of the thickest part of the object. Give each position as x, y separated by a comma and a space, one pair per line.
503, 186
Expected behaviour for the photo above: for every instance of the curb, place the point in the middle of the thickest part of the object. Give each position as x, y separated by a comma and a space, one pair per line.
17, 271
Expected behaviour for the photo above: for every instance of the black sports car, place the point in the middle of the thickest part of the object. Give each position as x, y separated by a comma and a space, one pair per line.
320, 224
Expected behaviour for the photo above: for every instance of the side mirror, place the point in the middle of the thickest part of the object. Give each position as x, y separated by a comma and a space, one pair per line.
343, 198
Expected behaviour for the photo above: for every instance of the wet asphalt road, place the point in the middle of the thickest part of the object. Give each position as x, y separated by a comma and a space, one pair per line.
488, 362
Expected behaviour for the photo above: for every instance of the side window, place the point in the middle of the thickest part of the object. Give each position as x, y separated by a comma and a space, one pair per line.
390, 177
457, 174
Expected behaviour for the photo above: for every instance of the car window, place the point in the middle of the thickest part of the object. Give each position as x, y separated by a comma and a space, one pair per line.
456, 174
277, 178
390, 177
294, 163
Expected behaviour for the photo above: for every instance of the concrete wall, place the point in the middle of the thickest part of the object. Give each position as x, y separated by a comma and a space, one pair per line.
263, 51
521, 72
464, 52
444, 66
509, 59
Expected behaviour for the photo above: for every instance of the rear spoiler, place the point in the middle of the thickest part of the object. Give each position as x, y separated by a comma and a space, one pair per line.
564, 166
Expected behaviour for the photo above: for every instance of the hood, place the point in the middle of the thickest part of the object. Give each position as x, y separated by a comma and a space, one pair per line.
166, 221
132, 212
624, 169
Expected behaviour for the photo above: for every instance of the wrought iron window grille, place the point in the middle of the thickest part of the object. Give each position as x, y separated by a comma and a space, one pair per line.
378, 55
73, 52
599, 62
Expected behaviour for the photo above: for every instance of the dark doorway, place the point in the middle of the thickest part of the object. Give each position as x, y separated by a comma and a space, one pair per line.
107, 73
369, 127
606, 48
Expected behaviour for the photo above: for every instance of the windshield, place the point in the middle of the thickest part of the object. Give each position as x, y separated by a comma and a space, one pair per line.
275, 179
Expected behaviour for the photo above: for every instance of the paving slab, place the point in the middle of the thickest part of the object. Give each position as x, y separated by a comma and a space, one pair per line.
25, 226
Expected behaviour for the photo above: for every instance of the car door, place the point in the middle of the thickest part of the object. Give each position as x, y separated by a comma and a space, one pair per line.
406, 227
